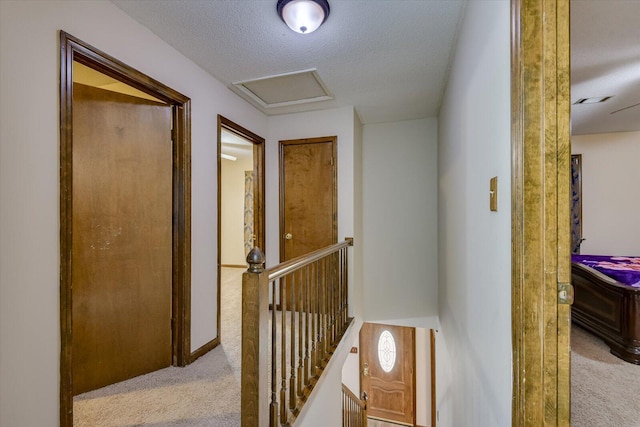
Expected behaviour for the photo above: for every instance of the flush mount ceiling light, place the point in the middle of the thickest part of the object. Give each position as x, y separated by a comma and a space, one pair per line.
303, 16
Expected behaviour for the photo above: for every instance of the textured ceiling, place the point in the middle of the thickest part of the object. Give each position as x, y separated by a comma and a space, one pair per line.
605, 61
388, 58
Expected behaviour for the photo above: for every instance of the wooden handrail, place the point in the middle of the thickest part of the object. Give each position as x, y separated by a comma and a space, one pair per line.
293, 264
293, 317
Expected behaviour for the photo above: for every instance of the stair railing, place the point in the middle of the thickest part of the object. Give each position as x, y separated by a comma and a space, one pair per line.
354, 410
293, 317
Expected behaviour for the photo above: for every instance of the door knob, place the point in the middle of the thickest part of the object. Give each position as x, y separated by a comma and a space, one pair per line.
365, 370
288, 236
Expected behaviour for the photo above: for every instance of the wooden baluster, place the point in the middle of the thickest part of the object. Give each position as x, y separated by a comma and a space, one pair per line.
341, 318
307, 326
283, 351
343, 288
325, 311
273, 412
314, 319
320, 312
293, 283
255, 312
301, 314
329, 286
346, 284
327, 307
334, 297
318, 323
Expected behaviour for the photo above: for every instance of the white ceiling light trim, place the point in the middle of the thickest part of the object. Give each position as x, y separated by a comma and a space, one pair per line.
280, 90
303, 16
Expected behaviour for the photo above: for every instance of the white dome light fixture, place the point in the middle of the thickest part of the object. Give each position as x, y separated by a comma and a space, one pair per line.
303, 16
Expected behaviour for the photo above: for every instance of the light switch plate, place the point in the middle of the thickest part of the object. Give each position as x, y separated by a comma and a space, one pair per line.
493, 194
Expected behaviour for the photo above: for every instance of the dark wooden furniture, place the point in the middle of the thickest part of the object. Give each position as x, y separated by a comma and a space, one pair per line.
608, 309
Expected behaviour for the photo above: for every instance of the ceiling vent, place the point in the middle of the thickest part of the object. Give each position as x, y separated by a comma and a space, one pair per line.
298, 87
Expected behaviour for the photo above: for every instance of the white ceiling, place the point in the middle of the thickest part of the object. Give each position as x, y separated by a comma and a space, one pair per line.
235, 145
605, 61
390, 58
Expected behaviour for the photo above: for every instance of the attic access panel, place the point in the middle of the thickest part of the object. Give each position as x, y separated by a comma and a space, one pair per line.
281, 90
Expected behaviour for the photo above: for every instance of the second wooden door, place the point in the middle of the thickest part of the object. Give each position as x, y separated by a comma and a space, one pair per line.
308, 200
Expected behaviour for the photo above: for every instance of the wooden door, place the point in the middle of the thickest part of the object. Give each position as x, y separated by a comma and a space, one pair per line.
122, 237
308, 201
387, 372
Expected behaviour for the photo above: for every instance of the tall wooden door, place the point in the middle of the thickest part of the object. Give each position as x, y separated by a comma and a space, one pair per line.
387, 372
122, 237
308, 199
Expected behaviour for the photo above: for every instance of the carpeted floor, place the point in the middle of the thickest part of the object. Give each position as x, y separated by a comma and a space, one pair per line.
605, 390
205, 393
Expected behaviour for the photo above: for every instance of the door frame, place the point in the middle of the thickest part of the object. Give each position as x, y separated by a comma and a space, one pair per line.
73, 49
258, 195
540, 168
334, 188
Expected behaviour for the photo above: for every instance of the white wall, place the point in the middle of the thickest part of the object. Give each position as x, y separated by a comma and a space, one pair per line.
473, 346
29, 184
610, 189
232, 211
358, 267
351, 367
399, 220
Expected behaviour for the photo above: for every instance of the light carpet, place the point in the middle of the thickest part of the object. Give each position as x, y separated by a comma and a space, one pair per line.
205, 393
605, 390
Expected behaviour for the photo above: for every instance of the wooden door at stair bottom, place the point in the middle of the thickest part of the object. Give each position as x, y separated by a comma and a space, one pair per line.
387, 372
122, 237
308, 202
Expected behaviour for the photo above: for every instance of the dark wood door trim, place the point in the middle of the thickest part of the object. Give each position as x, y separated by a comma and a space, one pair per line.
73, 49
258, 195
334, 141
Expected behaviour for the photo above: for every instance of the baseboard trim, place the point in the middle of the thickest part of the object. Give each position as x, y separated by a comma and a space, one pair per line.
204, 350
234, 265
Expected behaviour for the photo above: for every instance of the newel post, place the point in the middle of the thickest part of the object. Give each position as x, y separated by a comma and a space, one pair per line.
255, 327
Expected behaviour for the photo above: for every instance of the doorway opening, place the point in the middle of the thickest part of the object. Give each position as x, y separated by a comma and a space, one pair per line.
241, 188
394, 366
107, 211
